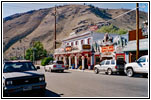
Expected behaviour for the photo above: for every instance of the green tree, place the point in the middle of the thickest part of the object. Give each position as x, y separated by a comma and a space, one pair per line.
111, 29
38, 50
46, 60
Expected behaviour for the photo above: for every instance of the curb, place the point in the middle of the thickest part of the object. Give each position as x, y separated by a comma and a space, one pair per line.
89, 71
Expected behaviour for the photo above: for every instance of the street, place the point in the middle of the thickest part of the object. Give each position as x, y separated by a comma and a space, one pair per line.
87, 84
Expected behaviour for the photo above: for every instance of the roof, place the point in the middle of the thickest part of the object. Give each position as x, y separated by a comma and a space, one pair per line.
131, 45
18, 61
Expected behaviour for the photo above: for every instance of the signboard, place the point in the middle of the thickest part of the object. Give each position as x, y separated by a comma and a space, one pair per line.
93, 28
87, 47
107, 49
68, 48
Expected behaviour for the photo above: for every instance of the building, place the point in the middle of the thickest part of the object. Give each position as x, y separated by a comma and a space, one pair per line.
85, 50
130, 48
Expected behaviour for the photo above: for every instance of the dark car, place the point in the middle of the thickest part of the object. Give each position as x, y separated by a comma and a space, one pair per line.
21, 76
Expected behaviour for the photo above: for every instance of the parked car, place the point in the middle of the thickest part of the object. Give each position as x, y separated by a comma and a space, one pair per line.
140, 66
55, 66
21, 76
110, 66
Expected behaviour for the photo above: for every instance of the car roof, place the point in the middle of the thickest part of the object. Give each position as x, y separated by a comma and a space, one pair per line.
19, 61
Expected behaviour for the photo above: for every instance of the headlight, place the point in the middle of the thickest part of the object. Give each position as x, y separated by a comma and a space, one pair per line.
41, 78
9, 82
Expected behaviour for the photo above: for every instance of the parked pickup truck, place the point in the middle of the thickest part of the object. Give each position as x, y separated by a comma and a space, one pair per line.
21, 76
140, 66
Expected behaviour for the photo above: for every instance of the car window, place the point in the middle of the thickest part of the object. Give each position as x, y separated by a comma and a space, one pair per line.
107, 62
18, 66
112, 62
102, 63
142, 59
59, 62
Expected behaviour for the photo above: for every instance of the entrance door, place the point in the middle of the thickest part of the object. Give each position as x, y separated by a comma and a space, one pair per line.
85, 63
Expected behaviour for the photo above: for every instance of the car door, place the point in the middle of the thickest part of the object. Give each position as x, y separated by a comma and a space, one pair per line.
101, 66
142, 65
107, 65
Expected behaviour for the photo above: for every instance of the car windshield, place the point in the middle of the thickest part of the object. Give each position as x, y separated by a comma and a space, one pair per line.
18, 67
59, 62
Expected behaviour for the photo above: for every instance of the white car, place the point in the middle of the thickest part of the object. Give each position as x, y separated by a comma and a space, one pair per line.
55, 66
140, 66
110, 66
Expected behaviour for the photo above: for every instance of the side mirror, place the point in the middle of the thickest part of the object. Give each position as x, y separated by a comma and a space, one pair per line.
38, 67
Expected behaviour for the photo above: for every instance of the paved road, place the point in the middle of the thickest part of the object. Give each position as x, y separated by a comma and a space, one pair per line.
87, 84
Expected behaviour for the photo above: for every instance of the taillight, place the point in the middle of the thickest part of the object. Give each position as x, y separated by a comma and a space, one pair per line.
115, 67
54, 66
63, 66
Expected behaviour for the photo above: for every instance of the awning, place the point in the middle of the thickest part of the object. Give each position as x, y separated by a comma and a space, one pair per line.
131, 45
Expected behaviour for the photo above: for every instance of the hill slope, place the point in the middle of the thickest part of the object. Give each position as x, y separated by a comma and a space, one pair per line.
39, 25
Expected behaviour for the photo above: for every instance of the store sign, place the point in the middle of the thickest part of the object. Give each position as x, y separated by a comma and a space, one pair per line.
68, 48
107, 49
87, 47
93, 28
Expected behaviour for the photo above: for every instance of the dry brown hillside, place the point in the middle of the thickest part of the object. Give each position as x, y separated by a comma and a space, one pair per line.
39, 25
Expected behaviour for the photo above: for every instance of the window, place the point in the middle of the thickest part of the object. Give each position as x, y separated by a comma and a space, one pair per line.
112, 62
142, 59
76, 42
88, 40
107, 62
71, 43
102, 63
81, 41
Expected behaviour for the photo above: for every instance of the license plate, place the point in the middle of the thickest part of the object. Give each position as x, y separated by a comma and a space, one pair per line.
27, 88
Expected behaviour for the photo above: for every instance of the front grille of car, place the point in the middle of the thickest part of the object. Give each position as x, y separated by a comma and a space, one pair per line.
26, 80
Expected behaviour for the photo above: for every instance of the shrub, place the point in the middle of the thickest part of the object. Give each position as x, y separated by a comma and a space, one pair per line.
46, 60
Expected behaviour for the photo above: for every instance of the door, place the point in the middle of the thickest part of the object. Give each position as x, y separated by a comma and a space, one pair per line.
142, 65
107, 65
101, 68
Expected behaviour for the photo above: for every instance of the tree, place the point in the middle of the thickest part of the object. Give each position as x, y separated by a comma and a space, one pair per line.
111, 29
38, 49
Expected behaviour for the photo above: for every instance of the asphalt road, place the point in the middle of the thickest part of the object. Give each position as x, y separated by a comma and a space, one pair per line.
87, 84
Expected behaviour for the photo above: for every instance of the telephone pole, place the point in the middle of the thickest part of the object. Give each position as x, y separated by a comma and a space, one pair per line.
137, 30
55, 27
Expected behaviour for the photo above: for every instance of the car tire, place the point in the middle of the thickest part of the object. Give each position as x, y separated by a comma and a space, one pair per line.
109, 71
145, 75
96, 70
129, 72
50, 70
42, 92
62, 71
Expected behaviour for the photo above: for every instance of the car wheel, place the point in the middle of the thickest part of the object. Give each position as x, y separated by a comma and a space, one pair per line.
145, 75
129, 72
109, 71
50, 70
45, 69
96, 70
42, 92
62, 71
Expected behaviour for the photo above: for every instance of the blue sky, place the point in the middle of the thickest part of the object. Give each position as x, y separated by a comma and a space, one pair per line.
13, 8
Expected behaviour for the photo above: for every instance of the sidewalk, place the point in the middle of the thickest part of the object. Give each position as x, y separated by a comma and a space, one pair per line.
86, 70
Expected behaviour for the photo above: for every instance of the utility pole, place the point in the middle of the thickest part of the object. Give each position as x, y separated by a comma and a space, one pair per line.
55, 27
137, 30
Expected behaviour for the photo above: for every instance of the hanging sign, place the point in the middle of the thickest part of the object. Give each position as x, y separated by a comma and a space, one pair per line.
87, 47
68, 48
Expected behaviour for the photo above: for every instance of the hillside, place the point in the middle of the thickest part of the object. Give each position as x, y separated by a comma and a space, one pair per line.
39, 25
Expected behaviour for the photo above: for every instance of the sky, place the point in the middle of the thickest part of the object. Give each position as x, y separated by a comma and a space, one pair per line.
13, 8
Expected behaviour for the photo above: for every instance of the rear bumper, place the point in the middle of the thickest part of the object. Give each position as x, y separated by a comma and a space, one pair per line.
21, 88
58, 69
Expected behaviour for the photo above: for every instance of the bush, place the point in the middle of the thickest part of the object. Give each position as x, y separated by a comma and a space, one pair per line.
46, 60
